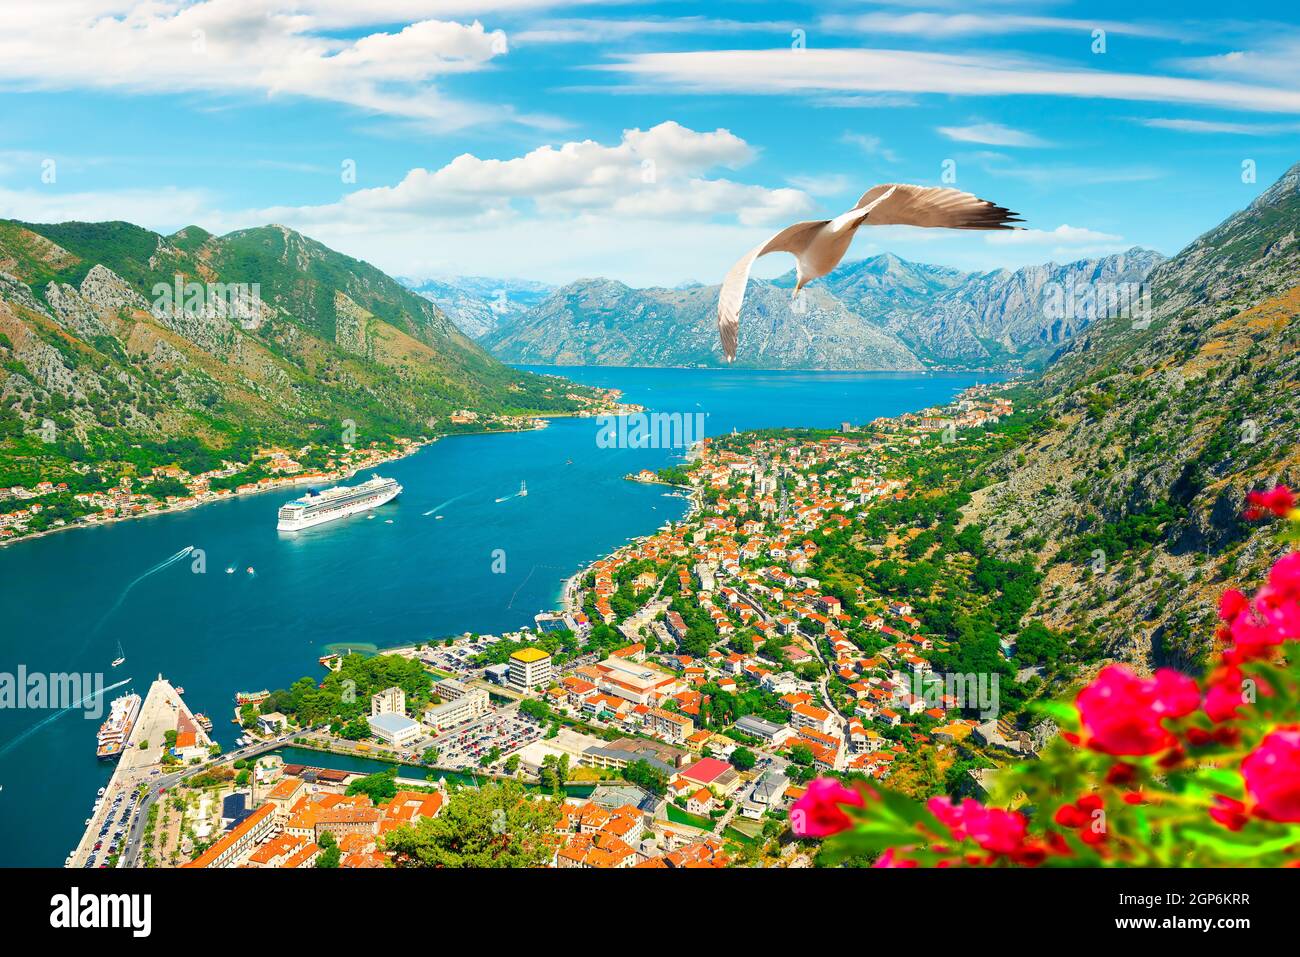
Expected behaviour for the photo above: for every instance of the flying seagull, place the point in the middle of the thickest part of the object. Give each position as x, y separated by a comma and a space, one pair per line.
819, 246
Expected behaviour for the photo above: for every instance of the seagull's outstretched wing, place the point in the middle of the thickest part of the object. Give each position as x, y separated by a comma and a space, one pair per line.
934, 206
793, 239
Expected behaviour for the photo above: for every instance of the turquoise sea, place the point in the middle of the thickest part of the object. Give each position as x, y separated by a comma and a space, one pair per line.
68, 600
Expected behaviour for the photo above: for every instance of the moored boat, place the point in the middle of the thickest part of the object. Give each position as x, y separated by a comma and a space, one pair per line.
114, 732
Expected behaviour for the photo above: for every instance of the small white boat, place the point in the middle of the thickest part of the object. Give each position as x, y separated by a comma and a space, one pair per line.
121, 656
230, 570
388, 521
249, 569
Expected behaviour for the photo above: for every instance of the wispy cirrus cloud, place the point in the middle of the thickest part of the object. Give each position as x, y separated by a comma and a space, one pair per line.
859, 71
1219, 126
948, 25
991, 134
870, 144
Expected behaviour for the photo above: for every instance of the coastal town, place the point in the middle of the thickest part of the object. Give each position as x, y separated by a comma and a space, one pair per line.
675, 706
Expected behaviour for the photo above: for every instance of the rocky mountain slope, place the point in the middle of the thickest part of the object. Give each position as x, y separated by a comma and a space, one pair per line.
878, 313
1161, 425
96, 348
978, 319
477, 304
603, 322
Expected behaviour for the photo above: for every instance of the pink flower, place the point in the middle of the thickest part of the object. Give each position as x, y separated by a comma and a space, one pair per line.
818, 813
1278, 501
1272, 775
889, 859
1232, 603
1002, 832
1225, 695
1278, 602
1229, 812
1122, 714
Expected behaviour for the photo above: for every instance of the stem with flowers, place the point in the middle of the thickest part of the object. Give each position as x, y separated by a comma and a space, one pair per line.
1148, 772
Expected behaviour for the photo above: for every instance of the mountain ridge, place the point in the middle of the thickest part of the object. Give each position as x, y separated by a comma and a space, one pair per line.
88, 345
903, 315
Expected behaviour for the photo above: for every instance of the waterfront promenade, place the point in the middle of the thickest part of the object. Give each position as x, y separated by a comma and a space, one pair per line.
163, 710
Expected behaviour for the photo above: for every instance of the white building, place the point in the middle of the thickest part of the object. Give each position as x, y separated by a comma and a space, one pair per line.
468, 705
388, 701
397, 729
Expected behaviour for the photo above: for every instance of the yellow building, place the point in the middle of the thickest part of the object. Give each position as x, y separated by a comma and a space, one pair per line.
529, 668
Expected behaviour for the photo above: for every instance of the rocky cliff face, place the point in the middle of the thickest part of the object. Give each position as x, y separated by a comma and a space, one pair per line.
878, 313
987, 318
603, 322
1162, 425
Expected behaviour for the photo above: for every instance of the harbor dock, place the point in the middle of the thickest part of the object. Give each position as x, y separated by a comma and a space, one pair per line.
113, 819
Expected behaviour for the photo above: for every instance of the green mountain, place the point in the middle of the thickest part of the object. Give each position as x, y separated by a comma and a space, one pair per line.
287, 341
1161, 422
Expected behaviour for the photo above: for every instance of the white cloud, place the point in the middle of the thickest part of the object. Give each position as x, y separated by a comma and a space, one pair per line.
166, 207
1276, 59
992, 134
871, 145
655, 173
237, 47
649, 205
823, 71
591, 30
1215, 126
824, 184
946, 25
1063, 235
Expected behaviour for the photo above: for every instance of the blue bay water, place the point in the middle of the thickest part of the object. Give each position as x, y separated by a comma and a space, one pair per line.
67, 600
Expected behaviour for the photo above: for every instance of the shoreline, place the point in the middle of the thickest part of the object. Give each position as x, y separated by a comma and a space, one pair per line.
282, 486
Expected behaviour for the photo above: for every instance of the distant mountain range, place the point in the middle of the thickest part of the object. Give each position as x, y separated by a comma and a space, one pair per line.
603, 322
880, 313
85, 346
971, 319
476, 304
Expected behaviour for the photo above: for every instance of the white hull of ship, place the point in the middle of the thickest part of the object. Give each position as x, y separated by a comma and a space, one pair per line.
335, 514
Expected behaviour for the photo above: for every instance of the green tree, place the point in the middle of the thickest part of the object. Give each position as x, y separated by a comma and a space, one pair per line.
743, 759
497, 825
380, 787
330, 853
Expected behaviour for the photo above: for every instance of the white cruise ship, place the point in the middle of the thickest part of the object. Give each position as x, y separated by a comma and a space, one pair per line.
317, 508
114, 732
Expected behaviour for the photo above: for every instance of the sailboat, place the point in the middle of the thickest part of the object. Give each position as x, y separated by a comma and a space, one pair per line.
121, 656
523, 489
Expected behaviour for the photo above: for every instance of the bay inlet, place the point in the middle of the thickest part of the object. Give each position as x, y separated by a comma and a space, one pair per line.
67, 601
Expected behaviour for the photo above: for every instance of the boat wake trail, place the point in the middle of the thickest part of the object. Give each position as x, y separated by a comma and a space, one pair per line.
127, 590
14, 742
438, 508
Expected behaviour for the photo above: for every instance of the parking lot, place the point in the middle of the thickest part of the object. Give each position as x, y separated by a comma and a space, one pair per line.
466, 746
113, 827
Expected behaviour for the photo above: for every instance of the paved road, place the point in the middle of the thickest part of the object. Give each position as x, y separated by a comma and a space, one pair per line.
158, 785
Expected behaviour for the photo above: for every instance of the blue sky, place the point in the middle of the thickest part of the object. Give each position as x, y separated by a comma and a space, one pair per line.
653, 143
